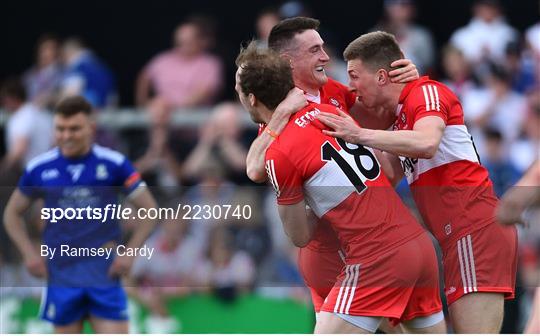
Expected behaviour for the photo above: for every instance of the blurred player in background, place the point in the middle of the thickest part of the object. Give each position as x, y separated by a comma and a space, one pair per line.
298, 41
511, 210
79, 174
344, 187
450, 187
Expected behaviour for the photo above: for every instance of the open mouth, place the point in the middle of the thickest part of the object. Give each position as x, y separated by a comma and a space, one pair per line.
319, 69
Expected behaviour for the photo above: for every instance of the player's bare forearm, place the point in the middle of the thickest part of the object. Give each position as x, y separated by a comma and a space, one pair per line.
142, 199
413, 144
296, 223
14, 223
255, 158
420, 142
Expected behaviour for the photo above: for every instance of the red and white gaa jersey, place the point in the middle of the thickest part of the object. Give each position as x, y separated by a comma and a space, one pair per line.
336, 94
342, 183
452, 189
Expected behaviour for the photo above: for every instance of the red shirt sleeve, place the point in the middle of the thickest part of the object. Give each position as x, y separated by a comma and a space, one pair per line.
429, 100
284, 176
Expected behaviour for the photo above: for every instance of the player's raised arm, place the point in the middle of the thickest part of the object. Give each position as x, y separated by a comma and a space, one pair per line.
294, 101
15, 227
420, 142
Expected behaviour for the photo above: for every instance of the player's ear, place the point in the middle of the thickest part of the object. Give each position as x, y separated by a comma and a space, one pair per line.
382, 77
288, 58
252, 99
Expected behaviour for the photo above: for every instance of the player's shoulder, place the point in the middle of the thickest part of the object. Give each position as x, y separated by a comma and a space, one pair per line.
108, 155
308, 116
429, 91
303, 128
43, 160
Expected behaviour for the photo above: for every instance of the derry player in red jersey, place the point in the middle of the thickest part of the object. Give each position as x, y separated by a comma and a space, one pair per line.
298, 41
450, 187
390, 265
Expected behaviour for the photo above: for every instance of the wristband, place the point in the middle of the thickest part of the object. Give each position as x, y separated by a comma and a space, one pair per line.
272, 133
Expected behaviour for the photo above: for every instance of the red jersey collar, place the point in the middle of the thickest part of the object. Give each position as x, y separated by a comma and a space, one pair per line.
411, 85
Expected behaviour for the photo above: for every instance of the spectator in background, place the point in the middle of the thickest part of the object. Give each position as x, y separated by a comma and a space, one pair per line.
486, 36
521, 68
457, 71
415, 41
527, 148
167, 275
266, 19
495, 106
226, 271
29, 130
183, 77
532, 37
502, 172
86, 75
219, 138
43, 79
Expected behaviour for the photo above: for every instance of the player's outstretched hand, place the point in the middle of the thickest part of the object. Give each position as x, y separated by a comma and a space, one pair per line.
120, 266
343, 126
36, 266
406, 71
295, 100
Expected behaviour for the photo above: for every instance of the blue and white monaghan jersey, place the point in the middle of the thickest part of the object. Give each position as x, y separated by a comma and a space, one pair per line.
94, 180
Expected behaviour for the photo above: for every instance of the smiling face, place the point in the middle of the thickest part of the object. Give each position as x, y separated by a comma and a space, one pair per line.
364, 83
308, 60
73, 134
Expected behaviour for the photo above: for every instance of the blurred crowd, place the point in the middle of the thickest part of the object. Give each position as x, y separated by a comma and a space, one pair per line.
490, 65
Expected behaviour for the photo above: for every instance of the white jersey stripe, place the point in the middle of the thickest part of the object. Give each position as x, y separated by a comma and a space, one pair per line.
431, 98
456, 145
338, 300
347, 289
471, 257
355, 283
271, 176
273, 170
437, 102
341, 255
461, 266
426, 99
467, 264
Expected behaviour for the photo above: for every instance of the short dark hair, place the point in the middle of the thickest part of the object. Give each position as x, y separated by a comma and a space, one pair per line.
377, 50
264, 74
13, 88
282, 33
71, 106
